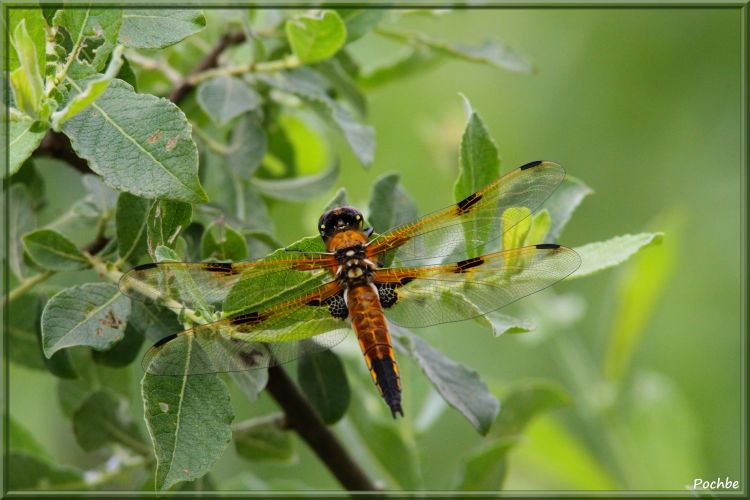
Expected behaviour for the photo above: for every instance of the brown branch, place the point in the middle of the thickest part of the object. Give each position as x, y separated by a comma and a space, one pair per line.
209, 61
303, 418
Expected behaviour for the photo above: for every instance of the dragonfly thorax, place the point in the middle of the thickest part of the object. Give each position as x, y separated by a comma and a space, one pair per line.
354, 266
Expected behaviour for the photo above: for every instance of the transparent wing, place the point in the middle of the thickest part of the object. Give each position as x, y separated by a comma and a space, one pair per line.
431, 295
256, 339
465, 229
198, 285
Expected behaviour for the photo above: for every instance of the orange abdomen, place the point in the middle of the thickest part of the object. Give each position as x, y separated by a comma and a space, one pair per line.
369, 324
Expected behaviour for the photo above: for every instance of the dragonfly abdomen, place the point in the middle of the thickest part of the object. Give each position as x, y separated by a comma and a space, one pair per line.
369, 323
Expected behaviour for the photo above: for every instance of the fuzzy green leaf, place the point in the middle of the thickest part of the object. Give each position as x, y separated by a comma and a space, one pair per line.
603, 255
221, 242
93, 33
26, 80
23, 138
298, 188
390, 204
458, 385
165, 221
399, 66
247, 145
103, 418
339, 199
311, 87
147, 138
20, 439
359, 21
151, 321
485, 468
21, 220
188, 419
124, 352
29, 472
226, 97
131, 219
92, 314
479, 164
316, 37
159, 28
501, 323
264, 440
562, 203
322, 378
34, 21
51, 250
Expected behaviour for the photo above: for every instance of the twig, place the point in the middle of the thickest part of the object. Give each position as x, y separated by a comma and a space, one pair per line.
303, 418
28, 284
209, 61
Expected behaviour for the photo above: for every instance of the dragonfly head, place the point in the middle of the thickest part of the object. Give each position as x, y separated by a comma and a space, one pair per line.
340, 219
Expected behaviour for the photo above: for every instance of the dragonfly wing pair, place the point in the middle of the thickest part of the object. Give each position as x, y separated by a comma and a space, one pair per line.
431, 271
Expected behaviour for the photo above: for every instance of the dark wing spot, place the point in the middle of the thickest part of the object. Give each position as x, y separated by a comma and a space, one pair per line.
545, 246
143, 267
249, 318
468, 202
164, 340
407, 280
530, 165
220, 267
468, 264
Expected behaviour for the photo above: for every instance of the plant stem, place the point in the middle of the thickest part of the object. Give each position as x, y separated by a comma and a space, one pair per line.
28, 284
288, 62
303, 418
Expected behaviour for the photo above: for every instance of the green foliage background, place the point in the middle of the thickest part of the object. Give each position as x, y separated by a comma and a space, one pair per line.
641, 364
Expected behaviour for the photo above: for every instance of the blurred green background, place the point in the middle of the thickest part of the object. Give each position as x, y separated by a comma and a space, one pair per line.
643, 105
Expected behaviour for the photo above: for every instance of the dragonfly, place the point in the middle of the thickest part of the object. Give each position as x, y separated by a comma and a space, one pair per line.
444, 267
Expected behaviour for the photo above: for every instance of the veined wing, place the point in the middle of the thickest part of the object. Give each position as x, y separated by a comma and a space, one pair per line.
200, 284
463, 230
256, 339
431, 295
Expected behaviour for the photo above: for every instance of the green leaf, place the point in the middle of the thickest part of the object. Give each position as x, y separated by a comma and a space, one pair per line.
51, 250
226, 97
21, 220
93, 87
359, 21
29, 472
147, 138
561, 204
316, 37
298, 188
94, 36
485, 469
35, 24
159, 28
490, 52
250, 382
501, 323
103, 418
26, 80
399, 66
221, 242
165, 221
602, 255
124, 352
339, 199
390, 204
479, 164
458, 385
343, 84
541, 222
637, 291
188, 419
311, 87
91, 314
264, 440
91, 377
247, 145
525, 400
23, 138
322, 378
20, 439
152, 322
131, 219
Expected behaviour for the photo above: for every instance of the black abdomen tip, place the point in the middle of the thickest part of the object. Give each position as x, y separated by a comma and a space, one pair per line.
530, 165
